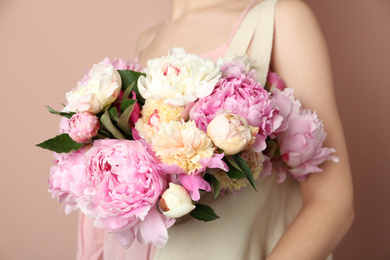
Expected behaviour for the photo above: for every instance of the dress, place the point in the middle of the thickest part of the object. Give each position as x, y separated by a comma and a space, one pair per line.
250, 222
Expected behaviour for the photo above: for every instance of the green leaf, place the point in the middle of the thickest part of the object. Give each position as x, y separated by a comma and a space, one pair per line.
123, 122
234, 172
127, 92
60, 144
204, 213
127, 103
245, 168
214, 182
64, 114
113, 112
128, 77
105, 120
232, 162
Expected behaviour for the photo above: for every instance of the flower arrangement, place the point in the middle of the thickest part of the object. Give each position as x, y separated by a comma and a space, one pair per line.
136, 145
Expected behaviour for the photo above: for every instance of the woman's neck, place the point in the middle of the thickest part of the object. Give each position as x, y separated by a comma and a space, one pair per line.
181, 7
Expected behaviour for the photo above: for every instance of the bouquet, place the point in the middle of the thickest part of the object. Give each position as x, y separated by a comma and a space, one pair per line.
136, 146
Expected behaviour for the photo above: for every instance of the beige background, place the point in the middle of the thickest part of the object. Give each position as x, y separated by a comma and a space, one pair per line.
46, 45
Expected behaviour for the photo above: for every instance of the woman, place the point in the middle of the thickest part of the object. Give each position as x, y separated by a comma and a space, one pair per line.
311, 228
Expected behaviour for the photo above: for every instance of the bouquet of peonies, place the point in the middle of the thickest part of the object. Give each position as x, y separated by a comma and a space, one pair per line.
136, 147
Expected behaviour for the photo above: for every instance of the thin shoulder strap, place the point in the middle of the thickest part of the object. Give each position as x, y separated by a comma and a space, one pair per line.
239, 21
151, 38
257, 28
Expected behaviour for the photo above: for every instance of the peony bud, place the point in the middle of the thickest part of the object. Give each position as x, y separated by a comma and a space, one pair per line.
83, 126
231, 133
176, 201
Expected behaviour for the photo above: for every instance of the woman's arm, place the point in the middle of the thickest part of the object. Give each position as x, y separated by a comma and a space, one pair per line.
300, 57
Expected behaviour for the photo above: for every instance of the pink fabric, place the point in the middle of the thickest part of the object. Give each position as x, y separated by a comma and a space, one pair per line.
90, 240
96, 244
221, 50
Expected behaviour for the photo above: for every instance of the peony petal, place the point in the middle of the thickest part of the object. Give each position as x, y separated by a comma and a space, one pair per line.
125, 237
154, 229
214, 162
193, 183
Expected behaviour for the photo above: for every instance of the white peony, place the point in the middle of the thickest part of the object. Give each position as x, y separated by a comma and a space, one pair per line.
179, 78
98, 89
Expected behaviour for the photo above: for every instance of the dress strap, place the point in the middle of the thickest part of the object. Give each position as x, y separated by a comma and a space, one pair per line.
256, 28
151, 38
238, 23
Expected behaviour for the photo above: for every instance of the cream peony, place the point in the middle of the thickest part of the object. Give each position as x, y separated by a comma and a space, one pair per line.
179, 78
98, 89
231, 133
182, 144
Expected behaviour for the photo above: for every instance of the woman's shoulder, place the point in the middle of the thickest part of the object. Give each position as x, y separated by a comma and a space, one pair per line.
292, 11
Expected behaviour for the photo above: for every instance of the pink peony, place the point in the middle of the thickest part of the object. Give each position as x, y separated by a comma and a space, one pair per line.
241, 95
64, 125
300, 146
83, 126
239, 65
123, 64
287, 105
67, 176
124, 185
274, 82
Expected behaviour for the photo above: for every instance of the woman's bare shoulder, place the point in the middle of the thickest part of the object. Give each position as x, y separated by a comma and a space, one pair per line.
299, 45
290, 8
293, 13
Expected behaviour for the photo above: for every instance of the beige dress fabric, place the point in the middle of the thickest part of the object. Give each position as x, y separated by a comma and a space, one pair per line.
250, 223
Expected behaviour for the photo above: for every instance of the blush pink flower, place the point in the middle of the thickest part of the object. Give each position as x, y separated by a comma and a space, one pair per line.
83, 126
287, 105
124, 184
239, 65
67, 177
274, 82
231, 133
240, 95
300, 147
64, 125
123, 64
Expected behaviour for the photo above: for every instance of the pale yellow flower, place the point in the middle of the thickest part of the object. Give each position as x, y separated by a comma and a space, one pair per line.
183, 144
155, 112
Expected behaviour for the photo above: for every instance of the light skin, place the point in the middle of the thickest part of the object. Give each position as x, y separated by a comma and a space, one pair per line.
301, 58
